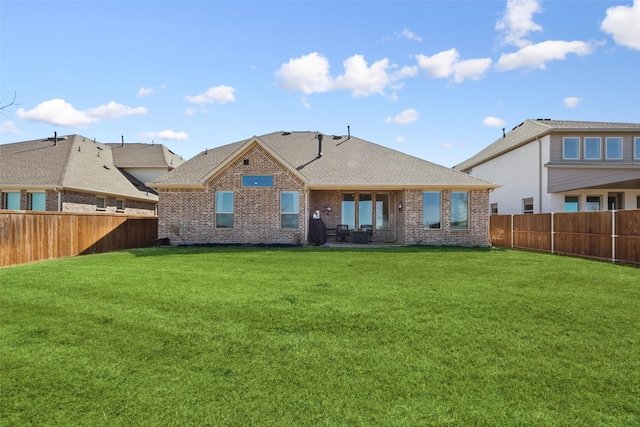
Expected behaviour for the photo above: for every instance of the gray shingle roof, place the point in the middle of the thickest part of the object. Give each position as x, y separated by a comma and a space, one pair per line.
74, 163
532, 129
345, 162
137, 155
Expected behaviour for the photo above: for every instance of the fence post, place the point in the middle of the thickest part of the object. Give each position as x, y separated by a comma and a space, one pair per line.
553, 238
613, 236
512, 232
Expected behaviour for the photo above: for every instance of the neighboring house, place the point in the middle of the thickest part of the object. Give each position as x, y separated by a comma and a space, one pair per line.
73, 174
265, 190
548, 165
146, 162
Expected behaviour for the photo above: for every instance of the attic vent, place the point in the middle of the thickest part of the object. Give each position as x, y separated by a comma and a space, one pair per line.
337, 137
245, 162
106, 167
171, 152
99, 148
286, 133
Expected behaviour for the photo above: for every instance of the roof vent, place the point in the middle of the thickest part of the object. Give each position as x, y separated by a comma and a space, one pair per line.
286, 133
106, 167
320, 145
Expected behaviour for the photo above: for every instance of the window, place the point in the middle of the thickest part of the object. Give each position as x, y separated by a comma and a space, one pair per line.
101, 203
614, 148
636, 148
224, 209
571, 148
494, 209
119, 205
289, 209
592, 147
527, 205
593, 203
349, 210
37, 202
571, 203
257, 181
382, 211
12, 201
638, 202
365, 209
431, 210
459, 210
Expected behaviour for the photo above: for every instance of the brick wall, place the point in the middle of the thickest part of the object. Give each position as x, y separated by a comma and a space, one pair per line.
83, 202
476, 235
188, 216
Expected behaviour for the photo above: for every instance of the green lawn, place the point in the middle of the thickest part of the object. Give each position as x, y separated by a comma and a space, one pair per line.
320, 336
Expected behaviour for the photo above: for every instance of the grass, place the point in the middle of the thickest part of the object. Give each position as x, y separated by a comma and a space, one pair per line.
319, 336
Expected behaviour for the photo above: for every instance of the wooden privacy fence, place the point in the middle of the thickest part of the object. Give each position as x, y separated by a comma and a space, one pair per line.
34, 236
610, 235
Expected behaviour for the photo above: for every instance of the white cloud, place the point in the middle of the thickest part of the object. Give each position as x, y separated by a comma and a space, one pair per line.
167, 135
115, 111
517, 22
472, 69
145, 91
190, 111
8, 127
407, 71
57, 112
305, 102
309, 74
401, 139
409, 35
623, 23
361, 79
493, 121
405, 117
218, 94
536, 55
572, 101
447, 63
445, 145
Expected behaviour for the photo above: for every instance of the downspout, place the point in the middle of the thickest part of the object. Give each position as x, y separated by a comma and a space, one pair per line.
306, 216
59, 199
540, 166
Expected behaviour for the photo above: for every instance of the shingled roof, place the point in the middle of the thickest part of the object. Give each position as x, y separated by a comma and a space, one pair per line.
138, 155
531, 129
346, 162
71, 163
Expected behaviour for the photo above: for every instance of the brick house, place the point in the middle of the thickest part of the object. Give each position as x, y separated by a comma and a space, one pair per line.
75, 174
265, 189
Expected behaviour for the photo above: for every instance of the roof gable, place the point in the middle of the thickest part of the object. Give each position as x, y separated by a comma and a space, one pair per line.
530, 129
139, 155
345, 161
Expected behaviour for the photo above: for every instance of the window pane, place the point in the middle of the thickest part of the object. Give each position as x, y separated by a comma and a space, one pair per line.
636, 148
289, 208
289, 202
224, 201
593, 203
592, 148
431, 209
101, 203
614, 148
459, 210
224, 220
527, 205
365, 209
382, 211
349, 210
224, 209
571, 148
38, 202
257, 181
13, 201
571, 203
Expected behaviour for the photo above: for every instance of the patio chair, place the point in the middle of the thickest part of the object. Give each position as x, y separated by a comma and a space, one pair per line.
342, 232
369, 229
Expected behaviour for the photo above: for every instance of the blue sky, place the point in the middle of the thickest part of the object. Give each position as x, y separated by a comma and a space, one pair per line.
434, 79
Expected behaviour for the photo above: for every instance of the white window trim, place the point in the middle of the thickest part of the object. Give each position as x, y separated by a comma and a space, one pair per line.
430, 228
524, 205
564, 157
468, 227
104, 208
586, 201
636, 148
224, 212
296, 207
123, 206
